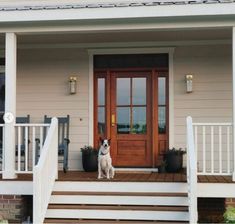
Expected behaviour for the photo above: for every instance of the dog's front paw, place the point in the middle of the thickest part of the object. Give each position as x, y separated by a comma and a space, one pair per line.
100, 177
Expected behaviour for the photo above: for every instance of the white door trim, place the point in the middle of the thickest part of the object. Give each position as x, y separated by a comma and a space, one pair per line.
93, 52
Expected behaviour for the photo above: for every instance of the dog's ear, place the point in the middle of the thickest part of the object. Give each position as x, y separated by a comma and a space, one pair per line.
109, 141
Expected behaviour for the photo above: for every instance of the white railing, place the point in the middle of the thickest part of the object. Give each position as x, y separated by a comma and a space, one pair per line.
29, 142
214, 148
2, 147
45, 173
191, 173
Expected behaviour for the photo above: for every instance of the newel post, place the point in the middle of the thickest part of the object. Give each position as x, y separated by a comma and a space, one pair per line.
10, 105
233, 81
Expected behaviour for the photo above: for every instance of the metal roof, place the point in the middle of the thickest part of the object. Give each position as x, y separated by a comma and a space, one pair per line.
112, 5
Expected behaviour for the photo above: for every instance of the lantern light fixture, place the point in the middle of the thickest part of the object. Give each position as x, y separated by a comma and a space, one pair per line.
189, 83
72, 85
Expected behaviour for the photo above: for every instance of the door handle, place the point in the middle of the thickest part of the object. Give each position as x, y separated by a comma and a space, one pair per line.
113, 120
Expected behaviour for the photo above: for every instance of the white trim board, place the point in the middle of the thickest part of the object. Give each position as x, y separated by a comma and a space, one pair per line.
107, 186
143, 12
216, 190
122, 44
118, 214
16, 187
169, 50
160, 26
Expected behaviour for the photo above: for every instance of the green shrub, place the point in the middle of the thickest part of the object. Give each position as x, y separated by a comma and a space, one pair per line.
3, 221
229, 215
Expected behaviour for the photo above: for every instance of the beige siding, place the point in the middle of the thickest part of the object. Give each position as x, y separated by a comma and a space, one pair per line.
211, 100
42, 88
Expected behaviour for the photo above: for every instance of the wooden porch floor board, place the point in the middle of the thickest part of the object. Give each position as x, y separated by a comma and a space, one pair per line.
129, 177
122, 177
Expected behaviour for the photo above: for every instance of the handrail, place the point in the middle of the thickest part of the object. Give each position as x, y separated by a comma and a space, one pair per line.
31, 125
191, 173
211, 124
45, 173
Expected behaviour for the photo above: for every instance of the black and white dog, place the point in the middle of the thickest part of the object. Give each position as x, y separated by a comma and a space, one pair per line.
105, 168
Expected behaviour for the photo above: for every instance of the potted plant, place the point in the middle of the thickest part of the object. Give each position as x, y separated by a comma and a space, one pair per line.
89, 158
162, 167
229, 215
174, 160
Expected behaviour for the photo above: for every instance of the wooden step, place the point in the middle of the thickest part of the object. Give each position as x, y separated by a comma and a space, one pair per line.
119, 199
117, 214
150, 187
117, 207
77, 221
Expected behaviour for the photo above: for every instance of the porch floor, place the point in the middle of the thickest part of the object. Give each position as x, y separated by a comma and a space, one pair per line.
129, 177
141, 177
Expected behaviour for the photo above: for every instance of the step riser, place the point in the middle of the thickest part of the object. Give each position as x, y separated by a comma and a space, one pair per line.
120, 215
118, 200
121, 187
74, 194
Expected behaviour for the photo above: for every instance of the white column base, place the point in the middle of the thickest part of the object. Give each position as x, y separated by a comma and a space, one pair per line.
9, 175
233, 177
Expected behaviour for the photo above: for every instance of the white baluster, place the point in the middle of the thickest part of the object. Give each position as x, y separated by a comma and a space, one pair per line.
33, 147
19, 149
26, 138
228, 150
204, 148
220, 149
212, 149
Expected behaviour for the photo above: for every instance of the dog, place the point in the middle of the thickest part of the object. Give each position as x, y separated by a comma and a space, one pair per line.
105, 168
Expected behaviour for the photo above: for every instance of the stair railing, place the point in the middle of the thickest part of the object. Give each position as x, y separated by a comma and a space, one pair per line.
45, 173
191, 173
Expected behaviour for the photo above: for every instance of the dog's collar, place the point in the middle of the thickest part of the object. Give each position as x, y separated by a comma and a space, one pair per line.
103, 154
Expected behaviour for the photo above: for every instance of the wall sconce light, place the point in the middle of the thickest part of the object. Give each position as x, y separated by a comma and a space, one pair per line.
72, 85
189, 83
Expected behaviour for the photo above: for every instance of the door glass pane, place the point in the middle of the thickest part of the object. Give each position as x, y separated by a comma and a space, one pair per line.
162, 120
139, 120
123, 120
101, 91
161, 91
123, 91
101, 120
139, 91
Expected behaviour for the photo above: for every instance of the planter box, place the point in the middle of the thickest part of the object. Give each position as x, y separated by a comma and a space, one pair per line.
174, 162
90, 161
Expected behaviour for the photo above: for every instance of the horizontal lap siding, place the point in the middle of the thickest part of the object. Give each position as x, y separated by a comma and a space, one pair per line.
211, 100
42, 88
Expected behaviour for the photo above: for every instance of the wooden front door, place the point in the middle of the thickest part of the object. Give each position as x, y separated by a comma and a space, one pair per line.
130, 118
131, 109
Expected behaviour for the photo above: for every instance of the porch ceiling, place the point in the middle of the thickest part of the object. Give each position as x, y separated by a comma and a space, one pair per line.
176, 35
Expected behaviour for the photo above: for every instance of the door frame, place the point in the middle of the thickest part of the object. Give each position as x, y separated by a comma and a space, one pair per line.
152, 102
109, 51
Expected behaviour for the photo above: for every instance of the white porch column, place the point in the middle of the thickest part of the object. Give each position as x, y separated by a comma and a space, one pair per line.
10, 104
233, 80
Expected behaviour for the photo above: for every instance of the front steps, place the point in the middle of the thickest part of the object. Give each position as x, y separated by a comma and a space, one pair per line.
124, 202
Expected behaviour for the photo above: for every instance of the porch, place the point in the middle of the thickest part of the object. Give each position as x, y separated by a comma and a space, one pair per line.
39, 87
129, 177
